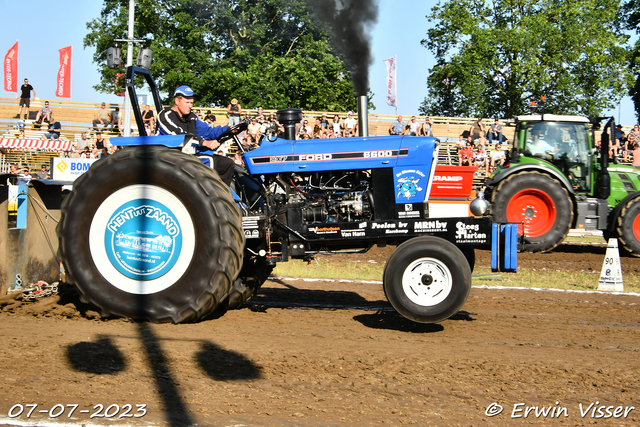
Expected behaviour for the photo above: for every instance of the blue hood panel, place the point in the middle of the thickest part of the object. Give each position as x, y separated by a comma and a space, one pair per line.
314, 155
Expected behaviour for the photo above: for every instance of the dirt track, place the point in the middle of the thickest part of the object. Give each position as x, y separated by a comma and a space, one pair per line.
329, 353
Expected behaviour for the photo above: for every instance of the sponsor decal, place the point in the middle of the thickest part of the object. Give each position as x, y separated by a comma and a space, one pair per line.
469, 233
278, 159
143, 239
315, 157
376, 226
448, 178
429, 226
353, 233
251, 234
362, 225
409, 187
324, 230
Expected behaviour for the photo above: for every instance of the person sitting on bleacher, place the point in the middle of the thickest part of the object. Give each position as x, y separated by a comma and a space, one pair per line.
102, 117
44, 115
54, 129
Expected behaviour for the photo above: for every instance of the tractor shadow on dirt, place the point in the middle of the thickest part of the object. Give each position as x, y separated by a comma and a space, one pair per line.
293, 297
103, 357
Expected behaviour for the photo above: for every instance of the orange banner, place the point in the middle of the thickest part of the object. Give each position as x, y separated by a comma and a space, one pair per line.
63, 82
10, 66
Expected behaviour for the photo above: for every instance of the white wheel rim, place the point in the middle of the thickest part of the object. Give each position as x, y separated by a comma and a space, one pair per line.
142, 239
427, 282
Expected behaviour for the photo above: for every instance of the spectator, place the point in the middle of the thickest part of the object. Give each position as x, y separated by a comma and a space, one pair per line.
631, 143
324, 122
480, 158
103, 154
42, 173
102, 117
116, 120
83, 142
307, 128
636, 133
465, 155
148, 118
235, 111
24, 177
350, 125
495, 132
337, 127
413, 126
54, 129
397, 127
199, 114
210, 118
254, 131
318, 131
636, 154
477, 131
497, 157
25, 98
425, 128
260, 117
100, 142
44, 115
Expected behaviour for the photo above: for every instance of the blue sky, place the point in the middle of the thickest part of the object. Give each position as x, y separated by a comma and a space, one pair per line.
54, 25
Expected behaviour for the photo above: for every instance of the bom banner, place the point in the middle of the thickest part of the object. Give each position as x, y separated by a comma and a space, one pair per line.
63, 82
10, 66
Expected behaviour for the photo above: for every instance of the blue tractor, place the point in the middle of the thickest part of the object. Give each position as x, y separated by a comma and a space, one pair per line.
151, 233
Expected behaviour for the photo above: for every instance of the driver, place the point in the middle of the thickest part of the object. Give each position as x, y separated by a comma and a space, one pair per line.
538, 146
179, 120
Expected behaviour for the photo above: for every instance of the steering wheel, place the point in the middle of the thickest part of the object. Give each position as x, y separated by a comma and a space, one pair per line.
233, 131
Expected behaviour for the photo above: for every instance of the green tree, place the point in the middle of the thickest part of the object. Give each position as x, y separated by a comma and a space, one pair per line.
496, 57
271, 53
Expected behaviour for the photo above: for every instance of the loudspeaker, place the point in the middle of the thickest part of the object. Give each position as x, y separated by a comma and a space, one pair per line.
114, 58
144, 58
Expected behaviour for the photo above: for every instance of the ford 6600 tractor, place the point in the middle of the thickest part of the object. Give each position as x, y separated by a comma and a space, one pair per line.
556, 181
151, 233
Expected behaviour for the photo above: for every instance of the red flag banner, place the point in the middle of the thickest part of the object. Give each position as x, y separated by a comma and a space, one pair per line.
11, 69
63, 83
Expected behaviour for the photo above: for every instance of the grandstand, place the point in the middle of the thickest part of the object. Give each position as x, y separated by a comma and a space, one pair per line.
77, 117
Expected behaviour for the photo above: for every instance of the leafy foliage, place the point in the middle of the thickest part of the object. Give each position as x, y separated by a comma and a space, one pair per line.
496, 57
270, 53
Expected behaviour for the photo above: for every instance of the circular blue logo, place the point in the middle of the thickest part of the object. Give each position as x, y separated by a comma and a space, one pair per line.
143, 239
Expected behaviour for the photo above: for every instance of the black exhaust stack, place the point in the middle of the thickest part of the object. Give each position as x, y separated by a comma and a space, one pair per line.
363, 116
288, 118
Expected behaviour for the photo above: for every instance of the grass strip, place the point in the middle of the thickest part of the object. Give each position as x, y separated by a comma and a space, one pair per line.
529, 278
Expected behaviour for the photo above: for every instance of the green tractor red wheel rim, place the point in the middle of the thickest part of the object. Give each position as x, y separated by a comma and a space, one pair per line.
636, 227
536, 210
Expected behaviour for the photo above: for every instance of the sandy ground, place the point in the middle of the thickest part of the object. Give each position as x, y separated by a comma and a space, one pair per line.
307, 353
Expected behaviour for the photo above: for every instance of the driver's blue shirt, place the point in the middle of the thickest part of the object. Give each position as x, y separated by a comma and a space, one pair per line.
171, 122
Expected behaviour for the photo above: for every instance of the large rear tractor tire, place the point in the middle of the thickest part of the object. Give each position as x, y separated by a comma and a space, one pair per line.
150, 233
427, 279
254, 273
538, 201
628, 227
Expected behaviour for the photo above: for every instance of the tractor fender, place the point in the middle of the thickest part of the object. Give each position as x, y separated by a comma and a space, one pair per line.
615, 213
493, 182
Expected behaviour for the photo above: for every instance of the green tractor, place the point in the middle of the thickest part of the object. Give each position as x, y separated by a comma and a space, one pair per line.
557, 179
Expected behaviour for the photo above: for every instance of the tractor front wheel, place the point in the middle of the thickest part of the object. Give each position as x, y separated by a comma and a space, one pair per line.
427, 279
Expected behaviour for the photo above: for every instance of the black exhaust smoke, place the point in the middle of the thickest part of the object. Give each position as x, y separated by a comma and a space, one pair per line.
348, 23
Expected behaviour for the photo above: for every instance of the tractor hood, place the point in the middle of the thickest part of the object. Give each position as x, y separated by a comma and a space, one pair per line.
362, 153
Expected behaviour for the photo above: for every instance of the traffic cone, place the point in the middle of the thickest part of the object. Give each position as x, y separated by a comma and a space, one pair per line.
611, 274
